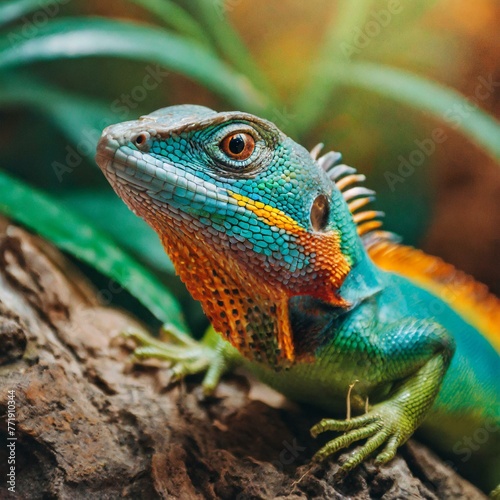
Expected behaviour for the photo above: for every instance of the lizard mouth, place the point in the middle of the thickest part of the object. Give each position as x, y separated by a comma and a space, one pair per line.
105, 159
178, 189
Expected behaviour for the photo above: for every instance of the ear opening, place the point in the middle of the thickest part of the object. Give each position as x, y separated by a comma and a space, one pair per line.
320, 211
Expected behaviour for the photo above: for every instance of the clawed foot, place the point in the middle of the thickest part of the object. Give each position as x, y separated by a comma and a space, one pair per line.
185, 355
383, 425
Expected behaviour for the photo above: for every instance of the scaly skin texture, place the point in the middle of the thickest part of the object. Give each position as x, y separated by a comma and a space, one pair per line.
263, 236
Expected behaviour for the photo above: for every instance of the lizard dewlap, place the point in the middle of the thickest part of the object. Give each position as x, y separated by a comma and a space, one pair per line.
304, 287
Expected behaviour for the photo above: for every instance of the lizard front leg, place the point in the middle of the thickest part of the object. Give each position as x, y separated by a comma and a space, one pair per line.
187, 356
415, 355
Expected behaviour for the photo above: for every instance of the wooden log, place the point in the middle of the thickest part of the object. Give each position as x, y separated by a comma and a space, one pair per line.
86, 425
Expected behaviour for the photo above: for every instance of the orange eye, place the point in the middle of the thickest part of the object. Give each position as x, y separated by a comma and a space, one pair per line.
238, 146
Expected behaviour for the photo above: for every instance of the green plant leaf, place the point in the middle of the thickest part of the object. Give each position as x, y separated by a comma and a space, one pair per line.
214, 15
43, 215
79, 118
175, 17
444, 103
10, 10
320, 82
83, 37
128, 230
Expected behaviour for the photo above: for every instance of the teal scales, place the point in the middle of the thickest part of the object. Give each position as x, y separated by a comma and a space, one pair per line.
305, 289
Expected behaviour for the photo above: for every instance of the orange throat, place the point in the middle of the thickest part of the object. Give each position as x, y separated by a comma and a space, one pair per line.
249, 308
248, 312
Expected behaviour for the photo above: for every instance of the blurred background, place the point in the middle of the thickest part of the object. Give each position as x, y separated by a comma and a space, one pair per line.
409, 92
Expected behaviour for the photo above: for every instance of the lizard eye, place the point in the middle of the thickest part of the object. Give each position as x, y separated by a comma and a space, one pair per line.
320, 211
238, 146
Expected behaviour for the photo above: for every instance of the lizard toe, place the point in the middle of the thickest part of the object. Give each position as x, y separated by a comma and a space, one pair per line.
329, 424
389, 451
362, 453
346, 440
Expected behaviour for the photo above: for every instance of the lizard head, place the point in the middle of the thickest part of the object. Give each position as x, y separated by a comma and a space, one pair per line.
246, 215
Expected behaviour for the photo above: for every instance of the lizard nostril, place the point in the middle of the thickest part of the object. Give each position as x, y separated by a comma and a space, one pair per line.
141, 139
320, 211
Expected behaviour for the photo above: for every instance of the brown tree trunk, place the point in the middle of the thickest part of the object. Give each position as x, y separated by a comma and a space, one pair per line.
85, 426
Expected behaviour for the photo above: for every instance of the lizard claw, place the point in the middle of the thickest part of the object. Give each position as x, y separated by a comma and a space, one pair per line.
382, 425
185, 355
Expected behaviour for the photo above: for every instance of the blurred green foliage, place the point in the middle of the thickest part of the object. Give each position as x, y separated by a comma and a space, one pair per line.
69, 68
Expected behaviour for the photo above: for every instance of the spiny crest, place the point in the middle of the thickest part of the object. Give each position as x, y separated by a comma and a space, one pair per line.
356, 197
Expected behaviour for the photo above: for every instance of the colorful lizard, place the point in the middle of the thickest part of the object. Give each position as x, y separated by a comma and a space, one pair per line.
306, 290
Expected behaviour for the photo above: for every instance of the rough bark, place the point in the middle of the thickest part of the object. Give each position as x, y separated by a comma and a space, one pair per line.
90, 426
